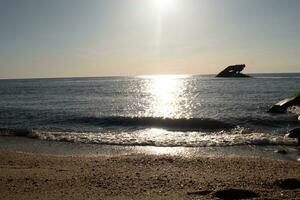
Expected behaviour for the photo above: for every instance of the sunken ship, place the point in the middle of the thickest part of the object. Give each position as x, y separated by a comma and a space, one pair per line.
234, 71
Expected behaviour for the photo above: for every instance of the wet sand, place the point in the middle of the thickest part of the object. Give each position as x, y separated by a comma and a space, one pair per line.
36, 176
77, 149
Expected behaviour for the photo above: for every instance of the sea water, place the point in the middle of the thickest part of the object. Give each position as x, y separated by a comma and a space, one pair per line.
162, 111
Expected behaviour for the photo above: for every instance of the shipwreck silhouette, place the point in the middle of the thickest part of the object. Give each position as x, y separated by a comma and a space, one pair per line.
233, 71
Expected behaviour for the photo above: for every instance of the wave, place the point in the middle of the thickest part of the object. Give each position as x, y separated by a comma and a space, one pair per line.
188, 124
294, 110
269, 121
185, 124
159, 137
122, 123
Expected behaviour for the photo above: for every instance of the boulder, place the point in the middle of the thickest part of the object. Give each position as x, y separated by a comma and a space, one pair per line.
295, 133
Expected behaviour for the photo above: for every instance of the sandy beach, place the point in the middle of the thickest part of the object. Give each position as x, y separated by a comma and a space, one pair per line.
36, 176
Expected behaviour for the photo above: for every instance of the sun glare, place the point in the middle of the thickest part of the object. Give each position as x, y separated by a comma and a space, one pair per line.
164, 5
166, 91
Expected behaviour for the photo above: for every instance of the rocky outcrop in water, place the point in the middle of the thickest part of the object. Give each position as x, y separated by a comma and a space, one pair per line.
284, 104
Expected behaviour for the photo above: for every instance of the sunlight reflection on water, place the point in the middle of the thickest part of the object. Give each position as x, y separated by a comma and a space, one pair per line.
167, 95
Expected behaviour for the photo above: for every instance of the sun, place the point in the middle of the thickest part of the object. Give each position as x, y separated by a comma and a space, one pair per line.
164, 5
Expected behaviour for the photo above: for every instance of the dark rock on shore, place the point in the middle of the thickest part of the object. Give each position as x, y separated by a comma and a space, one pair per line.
200, 193
288, 184
281, 151
295, 133
236, 194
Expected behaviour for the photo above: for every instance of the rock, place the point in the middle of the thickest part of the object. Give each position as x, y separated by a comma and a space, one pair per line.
233, 71
15, 132
199, 193
284, 104
281, 151
295, 133
236, 194
288, 184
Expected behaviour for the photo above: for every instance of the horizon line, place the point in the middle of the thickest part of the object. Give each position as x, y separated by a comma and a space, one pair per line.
133, 76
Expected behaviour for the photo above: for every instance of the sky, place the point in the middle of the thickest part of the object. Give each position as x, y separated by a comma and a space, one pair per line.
71, 38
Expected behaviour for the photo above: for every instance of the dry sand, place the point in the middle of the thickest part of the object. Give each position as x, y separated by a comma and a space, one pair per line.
33, 176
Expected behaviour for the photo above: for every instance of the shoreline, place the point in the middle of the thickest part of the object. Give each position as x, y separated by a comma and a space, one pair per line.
30, 145
38, 176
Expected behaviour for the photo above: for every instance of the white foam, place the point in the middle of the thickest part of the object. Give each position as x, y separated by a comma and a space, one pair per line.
163, 138
295, 110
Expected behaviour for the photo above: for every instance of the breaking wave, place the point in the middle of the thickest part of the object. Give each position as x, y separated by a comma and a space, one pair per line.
158, 137
295, 110
182, 124
167, 132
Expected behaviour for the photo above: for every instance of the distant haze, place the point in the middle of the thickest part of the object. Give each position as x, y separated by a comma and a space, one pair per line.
68, 38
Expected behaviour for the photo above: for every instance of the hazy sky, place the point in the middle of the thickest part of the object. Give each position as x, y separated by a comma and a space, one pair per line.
54, 38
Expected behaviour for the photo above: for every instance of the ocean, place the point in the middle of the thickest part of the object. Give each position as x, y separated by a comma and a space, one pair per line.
161, 111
